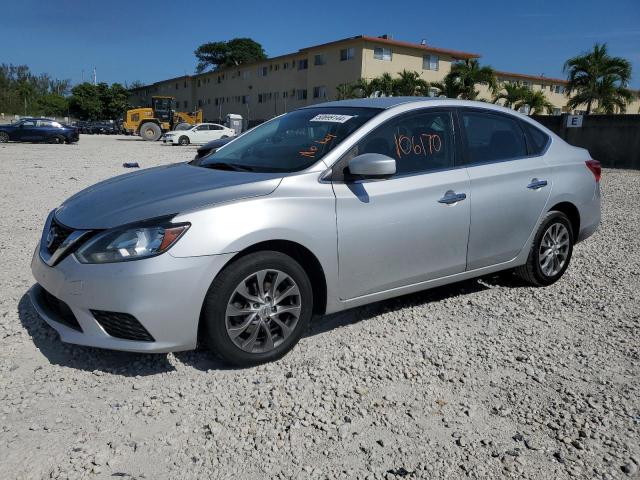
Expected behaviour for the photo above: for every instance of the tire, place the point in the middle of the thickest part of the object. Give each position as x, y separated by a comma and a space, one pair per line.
183, 126
58, 139
550, 252
253, 318
4, 137
183, 140
150, 131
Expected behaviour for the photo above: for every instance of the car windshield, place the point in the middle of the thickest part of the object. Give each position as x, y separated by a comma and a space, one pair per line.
291, 142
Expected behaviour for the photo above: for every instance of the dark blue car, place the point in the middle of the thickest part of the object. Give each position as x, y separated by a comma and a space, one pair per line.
38, 130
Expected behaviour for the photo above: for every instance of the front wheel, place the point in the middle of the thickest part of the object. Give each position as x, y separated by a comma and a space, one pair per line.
4, 137
150, 131
183, 140
550, 252
257, 308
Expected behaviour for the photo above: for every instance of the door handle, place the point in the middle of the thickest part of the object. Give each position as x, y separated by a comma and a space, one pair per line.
451, 197
537, 184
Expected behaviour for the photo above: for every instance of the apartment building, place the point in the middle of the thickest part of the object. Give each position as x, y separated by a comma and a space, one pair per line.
264, 89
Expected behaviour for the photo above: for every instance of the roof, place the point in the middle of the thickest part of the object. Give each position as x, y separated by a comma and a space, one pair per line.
389, 41
531, 77
377, 102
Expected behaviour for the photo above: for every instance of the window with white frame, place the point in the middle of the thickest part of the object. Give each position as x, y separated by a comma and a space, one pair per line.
382, 53
320, 92
347, 54
430, 62
320, 59
262, 71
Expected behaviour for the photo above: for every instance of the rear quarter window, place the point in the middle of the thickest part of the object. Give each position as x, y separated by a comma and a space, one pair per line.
537, 140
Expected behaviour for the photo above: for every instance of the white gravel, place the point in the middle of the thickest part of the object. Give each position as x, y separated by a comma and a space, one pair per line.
482, 379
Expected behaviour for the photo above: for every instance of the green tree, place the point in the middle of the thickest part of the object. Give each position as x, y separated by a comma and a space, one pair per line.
53, 104
384, 84
228, 53
364, 88
85, 101
450, 87
345, 91
469, 73
536, 100
597, 79
410, 84
511, 94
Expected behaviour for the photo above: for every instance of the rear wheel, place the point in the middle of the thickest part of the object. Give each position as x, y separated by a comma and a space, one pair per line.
257, 308
4, 137
58, 139
150, 131
183, 140
551, 251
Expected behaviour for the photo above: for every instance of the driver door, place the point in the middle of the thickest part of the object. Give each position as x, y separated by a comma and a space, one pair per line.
27, 131
405, 229
200, 134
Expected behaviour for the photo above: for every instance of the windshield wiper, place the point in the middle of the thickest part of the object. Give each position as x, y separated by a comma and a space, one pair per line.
227, 166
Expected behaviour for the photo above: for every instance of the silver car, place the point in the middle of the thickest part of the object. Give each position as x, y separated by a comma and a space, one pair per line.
325, 208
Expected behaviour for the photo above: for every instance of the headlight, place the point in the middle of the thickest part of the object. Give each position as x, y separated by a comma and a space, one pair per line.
130, 243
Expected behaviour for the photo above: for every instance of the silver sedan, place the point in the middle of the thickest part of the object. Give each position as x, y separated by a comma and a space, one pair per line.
322, 209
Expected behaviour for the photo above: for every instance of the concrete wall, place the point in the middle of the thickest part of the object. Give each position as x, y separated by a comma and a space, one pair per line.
614, 140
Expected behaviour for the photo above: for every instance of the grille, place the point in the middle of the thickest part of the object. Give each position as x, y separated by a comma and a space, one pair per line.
122, 325
61, 310
57, 234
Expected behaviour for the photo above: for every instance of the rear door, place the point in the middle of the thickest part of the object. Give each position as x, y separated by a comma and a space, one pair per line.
509, 186
200, 134
405, 229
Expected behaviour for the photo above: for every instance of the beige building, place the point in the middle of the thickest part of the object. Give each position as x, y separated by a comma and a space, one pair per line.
264, 89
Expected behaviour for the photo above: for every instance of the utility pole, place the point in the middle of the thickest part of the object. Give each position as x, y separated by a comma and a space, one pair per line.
94, 75
82, 76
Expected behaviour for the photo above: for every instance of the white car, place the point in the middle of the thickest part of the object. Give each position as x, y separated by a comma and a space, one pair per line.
200, 134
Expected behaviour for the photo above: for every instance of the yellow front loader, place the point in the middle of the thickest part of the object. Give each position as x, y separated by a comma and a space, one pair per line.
151, 123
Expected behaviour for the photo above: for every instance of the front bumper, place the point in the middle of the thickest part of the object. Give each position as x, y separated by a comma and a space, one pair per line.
163, 293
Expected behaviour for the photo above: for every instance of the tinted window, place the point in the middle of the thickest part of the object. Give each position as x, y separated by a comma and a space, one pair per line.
536, 139
28, 123
419, 143
491, 137
215, 127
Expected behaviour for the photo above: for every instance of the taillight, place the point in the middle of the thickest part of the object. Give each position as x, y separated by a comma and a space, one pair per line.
596, 169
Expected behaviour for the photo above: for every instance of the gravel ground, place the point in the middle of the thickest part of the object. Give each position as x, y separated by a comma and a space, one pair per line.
482, 379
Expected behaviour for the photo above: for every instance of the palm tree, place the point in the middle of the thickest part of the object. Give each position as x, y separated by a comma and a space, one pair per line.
450, 87
597, 78
346, 91
511, 94
469, 73
364, 88
410, 84
536, 100
384, 84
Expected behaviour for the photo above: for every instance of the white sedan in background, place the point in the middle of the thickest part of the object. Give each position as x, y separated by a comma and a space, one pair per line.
200, 134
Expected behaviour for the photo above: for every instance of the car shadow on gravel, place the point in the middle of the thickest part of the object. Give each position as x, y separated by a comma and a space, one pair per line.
358, 314
90, 359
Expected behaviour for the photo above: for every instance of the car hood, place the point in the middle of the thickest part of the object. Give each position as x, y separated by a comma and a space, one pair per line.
159, 191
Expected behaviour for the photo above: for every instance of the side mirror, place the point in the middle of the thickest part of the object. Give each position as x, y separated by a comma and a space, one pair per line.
372, 165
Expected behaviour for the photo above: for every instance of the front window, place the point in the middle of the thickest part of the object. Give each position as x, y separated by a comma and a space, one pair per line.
291, 142
382, 53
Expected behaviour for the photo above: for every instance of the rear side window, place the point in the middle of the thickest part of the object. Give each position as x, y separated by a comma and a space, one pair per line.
537, 140
419, 142
491, 137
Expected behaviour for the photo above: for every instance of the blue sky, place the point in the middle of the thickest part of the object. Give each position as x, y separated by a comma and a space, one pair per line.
64, 37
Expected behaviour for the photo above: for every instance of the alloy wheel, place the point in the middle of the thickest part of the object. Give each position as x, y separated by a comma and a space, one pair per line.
263, 311
554, 249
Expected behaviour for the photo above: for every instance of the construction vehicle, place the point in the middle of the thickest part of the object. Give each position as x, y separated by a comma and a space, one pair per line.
151, 122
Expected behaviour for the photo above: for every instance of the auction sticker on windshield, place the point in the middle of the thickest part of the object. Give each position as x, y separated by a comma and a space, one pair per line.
331, 117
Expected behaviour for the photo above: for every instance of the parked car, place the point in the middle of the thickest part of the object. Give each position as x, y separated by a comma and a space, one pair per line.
211, 147
319, 210
38, 130
199, 134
